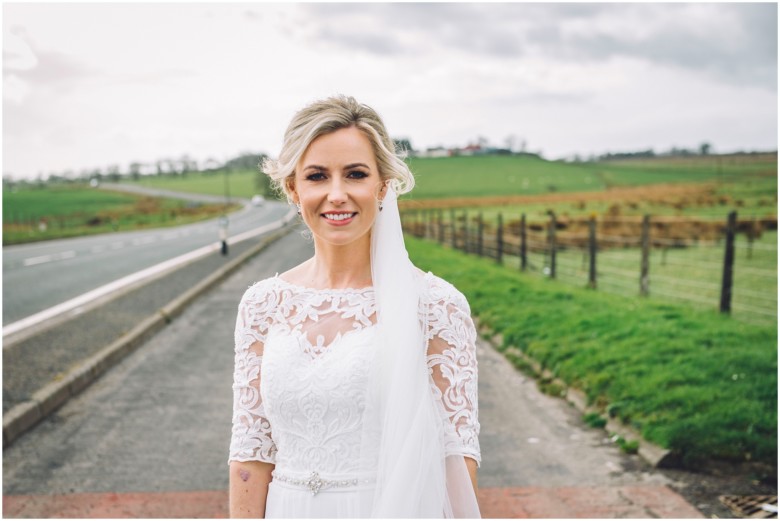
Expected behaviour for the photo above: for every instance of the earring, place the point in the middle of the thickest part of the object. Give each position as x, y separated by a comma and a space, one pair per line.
297, 205
380, 206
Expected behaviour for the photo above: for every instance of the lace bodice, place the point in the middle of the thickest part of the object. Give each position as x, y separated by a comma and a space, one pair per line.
301, 362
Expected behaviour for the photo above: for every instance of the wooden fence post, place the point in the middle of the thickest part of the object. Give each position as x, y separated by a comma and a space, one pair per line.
592, 245
480, 228
500, 239
465, 231
551, 239
441, 227
452, 228
728, 264
523, 246
644, 281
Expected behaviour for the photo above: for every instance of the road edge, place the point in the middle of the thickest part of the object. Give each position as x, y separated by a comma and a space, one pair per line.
653, 454
24, 416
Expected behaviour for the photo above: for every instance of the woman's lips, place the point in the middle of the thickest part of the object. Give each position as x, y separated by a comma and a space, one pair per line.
340, 221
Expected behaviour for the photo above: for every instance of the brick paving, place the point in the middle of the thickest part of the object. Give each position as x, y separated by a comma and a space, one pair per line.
645, 501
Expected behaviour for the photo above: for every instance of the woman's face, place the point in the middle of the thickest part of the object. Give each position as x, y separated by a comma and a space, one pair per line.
338, 186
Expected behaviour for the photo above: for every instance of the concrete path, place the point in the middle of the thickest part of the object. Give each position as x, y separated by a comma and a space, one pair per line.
150, 439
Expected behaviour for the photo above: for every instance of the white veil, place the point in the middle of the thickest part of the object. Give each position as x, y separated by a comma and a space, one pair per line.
403, 435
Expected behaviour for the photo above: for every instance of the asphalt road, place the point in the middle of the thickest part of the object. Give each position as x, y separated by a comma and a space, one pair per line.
160, 420
40, 275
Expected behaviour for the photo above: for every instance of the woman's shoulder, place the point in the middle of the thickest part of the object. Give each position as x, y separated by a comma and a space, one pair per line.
261, 290
437, 291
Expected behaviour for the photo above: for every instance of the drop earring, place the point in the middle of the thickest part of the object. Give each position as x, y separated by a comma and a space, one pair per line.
297, 205
380, 206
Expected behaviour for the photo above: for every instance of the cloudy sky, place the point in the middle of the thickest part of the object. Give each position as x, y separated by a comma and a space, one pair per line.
90, 85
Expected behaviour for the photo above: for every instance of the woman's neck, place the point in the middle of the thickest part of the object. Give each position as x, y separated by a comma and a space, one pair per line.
335, 267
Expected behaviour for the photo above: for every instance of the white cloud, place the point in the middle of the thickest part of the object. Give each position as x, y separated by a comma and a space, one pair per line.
97, 84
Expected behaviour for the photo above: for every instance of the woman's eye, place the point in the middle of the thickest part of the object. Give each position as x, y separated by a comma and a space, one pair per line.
357, 174
315, 177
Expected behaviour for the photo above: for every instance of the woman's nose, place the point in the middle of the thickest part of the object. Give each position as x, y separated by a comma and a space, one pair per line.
337, 193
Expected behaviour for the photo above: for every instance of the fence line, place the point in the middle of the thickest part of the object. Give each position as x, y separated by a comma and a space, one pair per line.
542, 247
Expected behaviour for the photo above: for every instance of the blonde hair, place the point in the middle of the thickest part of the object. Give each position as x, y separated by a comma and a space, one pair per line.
326, 116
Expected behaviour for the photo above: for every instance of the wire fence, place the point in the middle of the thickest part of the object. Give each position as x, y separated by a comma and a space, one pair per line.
728, 264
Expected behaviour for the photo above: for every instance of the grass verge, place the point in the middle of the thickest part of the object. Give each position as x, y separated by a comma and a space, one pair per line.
69, 211
696, 382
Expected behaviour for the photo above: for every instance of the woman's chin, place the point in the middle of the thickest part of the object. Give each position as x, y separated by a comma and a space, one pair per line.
341, 237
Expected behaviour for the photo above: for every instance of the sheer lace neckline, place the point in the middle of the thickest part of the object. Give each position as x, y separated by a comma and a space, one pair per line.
323, 290
337, 291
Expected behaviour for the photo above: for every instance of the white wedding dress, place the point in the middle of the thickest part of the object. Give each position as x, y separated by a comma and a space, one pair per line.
302, 360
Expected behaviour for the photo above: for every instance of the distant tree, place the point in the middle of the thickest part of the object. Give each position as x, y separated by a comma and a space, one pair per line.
211, 165
187, 165
112, 173
245, 161
135, 170
510, 141
704, 148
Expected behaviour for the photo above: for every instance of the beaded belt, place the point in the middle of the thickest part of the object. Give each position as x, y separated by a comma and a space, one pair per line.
315, 483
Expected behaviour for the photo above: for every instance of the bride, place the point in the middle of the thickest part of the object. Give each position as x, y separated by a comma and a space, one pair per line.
355, 382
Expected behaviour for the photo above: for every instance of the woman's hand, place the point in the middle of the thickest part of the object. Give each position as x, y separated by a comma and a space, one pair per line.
249, 488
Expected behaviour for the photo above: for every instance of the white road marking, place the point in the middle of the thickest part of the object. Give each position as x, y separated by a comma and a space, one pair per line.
148, 273
33, 261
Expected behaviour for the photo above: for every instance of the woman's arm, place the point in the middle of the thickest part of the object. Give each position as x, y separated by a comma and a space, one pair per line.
471, 465
249, 488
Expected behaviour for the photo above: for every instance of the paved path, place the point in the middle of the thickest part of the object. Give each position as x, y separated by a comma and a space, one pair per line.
150, 439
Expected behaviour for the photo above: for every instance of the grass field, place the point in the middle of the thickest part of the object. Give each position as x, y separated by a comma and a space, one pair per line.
755, 196
70, 211
478, 176
696, 382
507, 175
240, 183
686, 275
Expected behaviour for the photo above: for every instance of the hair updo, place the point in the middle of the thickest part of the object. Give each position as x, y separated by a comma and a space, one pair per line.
326, 116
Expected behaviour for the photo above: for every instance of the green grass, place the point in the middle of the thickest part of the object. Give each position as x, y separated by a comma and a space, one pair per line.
692, 169
72, 211
521, 175
697, 382
478, 176
241, 183
684, 274
55, 201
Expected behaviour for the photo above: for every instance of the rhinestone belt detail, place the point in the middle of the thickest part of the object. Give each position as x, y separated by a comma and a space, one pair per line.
315, 483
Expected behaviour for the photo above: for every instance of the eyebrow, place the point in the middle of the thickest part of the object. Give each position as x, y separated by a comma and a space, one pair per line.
346, 167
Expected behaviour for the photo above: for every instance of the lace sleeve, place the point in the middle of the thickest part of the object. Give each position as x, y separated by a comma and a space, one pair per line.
452, 365
251, 435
